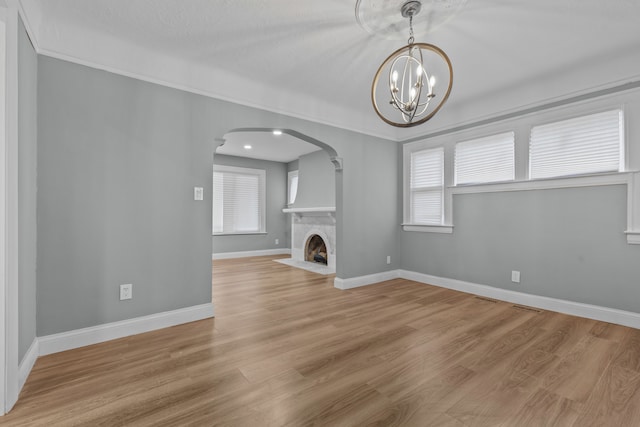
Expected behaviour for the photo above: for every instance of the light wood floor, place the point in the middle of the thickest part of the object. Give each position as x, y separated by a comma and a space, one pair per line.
287, 349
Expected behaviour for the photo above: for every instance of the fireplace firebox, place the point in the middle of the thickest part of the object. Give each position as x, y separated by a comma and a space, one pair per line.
316, 250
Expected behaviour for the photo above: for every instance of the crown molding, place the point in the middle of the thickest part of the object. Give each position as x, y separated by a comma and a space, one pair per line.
152, 67
103, 52
612, 88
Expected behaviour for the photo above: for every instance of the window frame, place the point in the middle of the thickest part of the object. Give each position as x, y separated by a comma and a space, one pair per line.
262, 191
290, 176
488, 139
623, 149
408, 225
521, 124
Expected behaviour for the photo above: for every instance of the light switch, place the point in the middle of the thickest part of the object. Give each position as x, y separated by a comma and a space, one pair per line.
198, 193
515, 276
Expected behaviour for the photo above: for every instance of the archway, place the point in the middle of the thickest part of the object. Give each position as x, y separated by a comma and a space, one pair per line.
333, 155
220, 245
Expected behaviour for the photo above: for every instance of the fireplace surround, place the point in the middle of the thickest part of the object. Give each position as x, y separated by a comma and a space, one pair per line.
309, 222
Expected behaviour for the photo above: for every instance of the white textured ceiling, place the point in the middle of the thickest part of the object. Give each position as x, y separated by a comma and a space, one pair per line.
311, 59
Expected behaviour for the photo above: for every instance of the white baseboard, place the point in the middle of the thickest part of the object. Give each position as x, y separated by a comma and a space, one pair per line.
605, 314
355, 282
27, 362
96, 334
245, 254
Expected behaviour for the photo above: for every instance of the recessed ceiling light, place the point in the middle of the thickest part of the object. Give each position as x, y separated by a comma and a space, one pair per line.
247, 147
277, 132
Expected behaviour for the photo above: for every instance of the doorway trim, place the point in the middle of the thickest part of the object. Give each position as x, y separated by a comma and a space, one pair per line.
9, 319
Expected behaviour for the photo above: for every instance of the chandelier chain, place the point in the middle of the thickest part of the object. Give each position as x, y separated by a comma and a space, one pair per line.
411, 38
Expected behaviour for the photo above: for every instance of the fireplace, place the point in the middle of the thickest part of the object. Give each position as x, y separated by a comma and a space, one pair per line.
313, 236
316, 250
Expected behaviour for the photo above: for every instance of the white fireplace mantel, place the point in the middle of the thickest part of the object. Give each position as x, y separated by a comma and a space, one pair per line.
309, 210
322, 211
309, 221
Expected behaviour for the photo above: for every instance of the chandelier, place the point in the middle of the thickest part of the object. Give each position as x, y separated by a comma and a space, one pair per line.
414, 82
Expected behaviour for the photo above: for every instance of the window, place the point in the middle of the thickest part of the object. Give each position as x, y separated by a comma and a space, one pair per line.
583, 145
488, 159
238, 200
292, 187
426, 187
582, 151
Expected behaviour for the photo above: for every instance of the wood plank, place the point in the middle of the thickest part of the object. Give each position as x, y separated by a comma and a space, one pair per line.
576, 374
615, 400
288, 349
545, 409
629, 355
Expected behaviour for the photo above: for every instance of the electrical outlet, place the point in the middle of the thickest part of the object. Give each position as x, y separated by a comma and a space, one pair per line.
126, 291
388, 259
277, 241
515, 276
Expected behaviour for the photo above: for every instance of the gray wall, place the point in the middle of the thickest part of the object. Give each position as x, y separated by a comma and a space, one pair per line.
27, 177
276, 199
567, 243
118, 160
316, 181
368, 226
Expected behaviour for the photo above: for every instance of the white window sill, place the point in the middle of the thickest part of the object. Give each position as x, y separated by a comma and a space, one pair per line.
633, 237
630, 178
248, 233
611, 178
434, 228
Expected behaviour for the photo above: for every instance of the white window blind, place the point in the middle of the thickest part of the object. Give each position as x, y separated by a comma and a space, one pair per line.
238, 200
292, 187
426, 186
588, 144
488, 159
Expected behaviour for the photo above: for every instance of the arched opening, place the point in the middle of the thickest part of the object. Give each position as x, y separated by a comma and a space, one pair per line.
312, 211
333, 155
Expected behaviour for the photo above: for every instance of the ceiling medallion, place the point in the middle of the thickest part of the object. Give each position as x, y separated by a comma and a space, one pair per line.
414, 82
381, 17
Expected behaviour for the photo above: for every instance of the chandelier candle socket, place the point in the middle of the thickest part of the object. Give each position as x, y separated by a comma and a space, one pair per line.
420, 78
